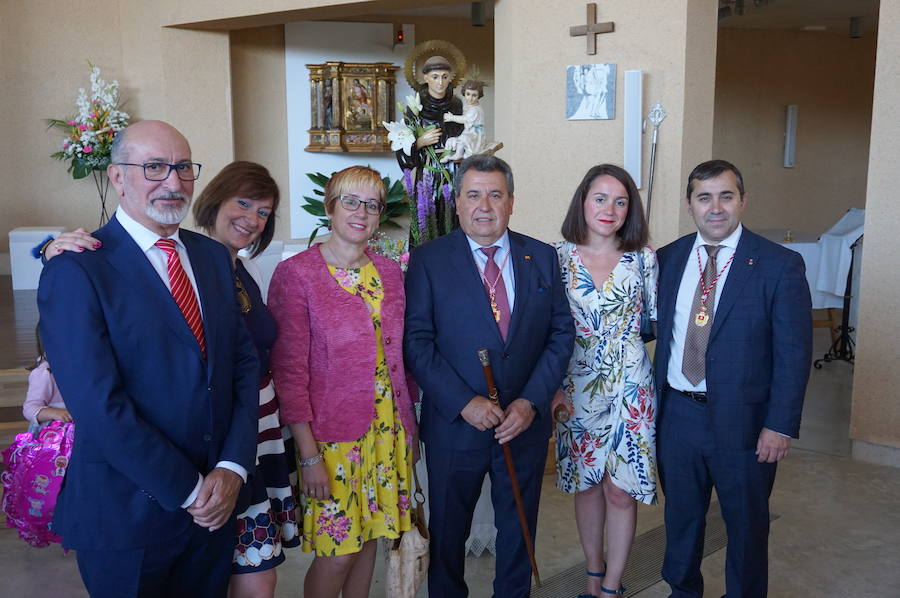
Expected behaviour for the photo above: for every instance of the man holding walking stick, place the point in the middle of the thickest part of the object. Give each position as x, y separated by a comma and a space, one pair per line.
485, 287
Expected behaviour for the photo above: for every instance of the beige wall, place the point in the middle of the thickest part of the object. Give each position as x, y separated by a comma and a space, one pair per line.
875, 416
176, 75
41, 80
830, 78
260, 109
550, 154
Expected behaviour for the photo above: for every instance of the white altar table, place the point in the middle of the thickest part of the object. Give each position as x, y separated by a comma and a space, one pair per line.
809, 248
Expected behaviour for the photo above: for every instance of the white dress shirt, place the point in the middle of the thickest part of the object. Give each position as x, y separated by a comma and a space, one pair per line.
146, 239
689, 281
503, 262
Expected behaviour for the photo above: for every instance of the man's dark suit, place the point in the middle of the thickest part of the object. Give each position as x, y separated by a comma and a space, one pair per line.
150, 413
448, 319
757, 366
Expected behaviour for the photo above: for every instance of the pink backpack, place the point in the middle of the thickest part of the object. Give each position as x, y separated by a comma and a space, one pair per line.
32, 479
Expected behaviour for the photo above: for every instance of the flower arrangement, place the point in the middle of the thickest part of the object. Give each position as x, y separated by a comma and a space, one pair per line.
393, 249
90, 133
425, 195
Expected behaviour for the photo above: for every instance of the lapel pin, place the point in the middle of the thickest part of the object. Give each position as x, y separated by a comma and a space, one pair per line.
527, 257
750, 262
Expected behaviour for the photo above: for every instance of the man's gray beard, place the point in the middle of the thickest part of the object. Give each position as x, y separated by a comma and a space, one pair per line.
169, 215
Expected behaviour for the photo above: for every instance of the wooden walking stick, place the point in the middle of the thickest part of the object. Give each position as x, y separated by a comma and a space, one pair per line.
494, 397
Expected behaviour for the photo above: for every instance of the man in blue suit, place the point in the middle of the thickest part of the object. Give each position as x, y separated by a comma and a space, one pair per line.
732, 362
484, 287
153, 359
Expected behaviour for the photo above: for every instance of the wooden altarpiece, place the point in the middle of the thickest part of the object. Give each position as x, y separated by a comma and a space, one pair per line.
349, 100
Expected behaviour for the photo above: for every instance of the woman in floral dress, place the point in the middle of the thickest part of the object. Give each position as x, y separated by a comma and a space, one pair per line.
607, 449
338, 370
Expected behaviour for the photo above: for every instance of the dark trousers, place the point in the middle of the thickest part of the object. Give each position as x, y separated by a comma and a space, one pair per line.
691, 465
197, 562
455, 477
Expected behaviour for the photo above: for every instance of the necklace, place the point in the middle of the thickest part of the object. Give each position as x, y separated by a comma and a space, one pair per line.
492, 286
336, 262
242, 296
701, 318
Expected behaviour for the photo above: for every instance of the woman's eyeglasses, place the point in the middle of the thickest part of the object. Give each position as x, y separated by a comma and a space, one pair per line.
351, 204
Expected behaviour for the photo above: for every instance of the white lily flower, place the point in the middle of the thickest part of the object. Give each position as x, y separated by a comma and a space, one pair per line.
400, 136
414, 103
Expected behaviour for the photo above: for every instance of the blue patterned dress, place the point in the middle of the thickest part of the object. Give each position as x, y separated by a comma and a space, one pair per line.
610, 379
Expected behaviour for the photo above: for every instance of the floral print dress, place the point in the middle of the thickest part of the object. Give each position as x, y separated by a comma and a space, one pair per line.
610, 379
370, 478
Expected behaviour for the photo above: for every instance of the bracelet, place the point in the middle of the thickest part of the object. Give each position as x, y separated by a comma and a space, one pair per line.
38, 250
311, 461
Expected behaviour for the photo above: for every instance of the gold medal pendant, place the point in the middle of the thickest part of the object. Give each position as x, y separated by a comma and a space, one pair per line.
495, 309
701, 318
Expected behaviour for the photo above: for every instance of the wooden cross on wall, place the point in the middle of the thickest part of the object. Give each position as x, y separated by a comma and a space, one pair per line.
592, 28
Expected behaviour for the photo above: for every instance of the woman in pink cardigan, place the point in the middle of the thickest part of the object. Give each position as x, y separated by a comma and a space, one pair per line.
338, 371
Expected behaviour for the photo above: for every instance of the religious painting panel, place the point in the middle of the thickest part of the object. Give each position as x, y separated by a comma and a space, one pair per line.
591, 91
348, 103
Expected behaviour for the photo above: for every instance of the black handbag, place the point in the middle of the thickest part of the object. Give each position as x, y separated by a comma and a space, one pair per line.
647, 334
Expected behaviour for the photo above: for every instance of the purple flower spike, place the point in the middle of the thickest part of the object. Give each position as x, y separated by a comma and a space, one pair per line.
447, 192
423, 192
408, 181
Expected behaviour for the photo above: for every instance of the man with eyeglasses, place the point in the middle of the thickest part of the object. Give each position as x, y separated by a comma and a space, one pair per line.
160, 375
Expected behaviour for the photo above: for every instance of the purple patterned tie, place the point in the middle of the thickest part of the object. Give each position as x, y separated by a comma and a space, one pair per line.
493, 279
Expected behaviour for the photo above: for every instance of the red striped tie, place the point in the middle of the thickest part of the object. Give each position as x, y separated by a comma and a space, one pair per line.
183, 292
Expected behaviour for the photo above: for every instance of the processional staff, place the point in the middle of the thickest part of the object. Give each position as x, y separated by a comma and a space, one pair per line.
494, 397
656, 115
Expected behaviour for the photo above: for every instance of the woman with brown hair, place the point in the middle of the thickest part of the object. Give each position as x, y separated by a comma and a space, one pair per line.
338, 368
606, 449
237, 208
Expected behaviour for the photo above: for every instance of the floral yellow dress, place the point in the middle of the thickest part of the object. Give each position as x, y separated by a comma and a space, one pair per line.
370, 478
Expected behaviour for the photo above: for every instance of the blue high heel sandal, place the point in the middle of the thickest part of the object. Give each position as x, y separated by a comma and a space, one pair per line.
619, 592
593, 574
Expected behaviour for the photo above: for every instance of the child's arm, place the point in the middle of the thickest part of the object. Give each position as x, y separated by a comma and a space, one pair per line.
47, 414
39, 394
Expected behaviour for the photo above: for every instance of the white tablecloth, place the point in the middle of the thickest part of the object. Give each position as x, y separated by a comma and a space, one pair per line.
809, 248
836, 255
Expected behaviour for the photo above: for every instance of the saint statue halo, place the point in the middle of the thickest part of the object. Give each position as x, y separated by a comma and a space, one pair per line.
417, 59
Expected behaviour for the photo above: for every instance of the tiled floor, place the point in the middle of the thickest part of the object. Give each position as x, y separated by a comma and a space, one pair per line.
838, 530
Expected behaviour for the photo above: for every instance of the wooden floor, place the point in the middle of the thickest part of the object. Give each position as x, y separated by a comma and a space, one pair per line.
18, 319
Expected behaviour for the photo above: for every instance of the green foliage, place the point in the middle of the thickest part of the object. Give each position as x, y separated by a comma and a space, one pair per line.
395, 202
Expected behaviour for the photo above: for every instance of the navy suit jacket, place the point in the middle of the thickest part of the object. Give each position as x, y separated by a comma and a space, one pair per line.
760, 345
448, 318
150, 413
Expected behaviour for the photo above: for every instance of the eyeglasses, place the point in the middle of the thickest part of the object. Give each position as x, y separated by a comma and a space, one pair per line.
160, 171
351, 204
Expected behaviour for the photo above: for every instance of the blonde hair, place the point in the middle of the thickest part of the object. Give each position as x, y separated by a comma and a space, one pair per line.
352, 179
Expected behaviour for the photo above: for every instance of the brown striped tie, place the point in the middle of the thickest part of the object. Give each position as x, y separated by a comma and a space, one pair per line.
693, 363
183, 292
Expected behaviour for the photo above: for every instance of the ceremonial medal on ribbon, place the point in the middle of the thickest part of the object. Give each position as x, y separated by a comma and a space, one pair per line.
701, 317
495, 309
